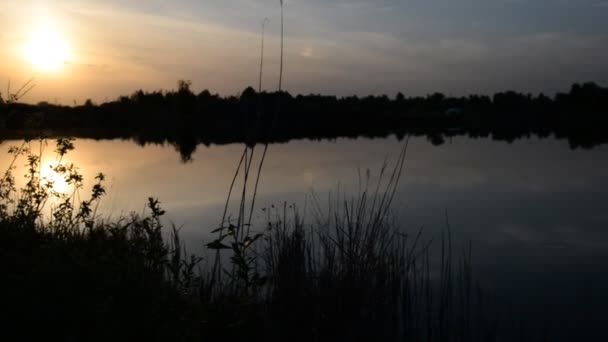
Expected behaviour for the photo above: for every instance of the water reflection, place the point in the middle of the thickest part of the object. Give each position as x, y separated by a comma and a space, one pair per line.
535, 210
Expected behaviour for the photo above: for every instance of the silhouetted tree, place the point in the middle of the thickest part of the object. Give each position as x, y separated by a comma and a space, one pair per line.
579, 115
186, 100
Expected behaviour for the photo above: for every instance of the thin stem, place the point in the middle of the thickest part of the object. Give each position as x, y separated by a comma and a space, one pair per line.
255, 189
281, 67
264, 23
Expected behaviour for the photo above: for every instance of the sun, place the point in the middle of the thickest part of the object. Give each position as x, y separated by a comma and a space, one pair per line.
47, 50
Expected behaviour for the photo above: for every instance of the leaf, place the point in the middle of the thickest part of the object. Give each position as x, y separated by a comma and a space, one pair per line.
217, 245
217, 230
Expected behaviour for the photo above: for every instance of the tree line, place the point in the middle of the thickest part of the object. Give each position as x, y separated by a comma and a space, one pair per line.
186, 118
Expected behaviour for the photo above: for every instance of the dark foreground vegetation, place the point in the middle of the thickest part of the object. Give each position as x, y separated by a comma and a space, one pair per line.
347, 274
186, 119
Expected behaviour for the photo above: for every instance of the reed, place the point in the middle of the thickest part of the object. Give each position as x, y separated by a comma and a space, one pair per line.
337, 271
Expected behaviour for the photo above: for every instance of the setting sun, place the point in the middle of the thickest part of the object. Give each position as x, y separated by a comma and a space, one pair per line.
47, 50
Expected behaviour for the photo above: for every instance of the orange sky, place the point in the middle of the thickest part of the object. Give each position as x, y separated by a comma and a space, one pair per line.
109, 52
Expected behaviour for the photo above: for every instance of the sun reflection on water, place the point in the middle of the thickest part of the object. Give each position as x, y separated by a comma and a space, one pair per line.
54, 179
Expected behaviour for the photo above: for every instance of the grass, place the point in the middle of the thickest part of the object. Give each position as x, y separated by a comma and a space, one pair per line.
347, 274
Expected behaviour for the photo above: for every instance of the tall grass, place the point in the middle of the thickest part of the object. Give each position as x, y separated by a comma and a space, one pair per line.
341, 270
12, 97
352, 274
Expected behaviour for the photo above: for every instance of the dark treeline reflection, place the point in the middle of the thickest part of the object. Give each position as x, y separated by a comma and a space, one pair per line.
186, 119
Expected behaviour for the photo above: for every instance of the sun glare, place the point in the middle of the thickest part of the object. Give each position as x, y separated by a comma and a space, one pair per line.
51, 176
47, 50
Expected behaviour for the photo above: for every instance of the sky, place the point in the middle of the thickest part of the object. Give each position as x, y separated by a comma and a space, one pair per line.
342, 47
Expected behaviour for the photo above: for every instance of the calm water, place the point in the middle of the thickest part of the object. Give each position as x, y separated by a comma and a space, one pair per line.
535, 211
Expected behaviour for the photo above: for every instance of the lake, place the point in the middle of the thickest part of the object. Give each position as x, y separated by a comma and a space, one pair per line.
535, 211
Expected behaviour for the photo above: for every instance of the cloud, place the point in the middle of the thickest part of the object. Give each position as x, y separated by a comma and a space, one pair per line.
158, 46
